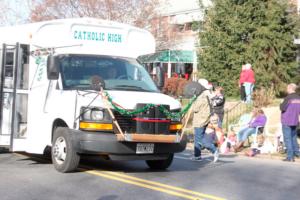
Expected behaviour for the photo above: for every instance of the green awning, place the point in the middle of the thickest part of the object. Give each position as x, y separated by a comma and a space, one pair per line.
174, 56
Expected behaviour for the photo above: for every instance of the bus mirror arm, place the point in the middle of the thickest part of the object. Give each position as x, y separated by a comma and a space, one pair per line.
52, 67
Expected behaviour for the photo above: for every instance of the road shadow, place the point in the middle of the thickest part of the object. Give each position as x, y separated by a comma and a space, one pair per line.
36, 158
181, 163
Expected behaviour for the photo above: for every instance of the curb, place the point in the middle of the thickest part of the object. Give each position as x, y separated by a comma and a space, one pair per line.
190, 146
267, 156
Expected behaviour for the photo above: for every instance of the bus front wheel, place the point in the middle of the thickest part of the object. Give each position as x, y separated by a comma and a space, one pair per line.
64, 157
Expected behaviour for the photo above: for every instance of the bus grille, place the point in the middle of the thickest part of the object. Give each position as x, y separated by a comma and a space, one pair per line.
126, 123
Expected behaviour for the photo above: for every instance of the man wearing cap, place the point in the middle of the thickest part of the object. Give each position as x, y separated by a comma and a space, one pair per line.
202, 112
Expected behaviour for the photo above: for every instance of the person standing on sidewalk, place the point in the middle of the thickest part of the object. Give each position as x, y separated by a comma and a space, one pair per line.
247, 79
201, 115
290, 111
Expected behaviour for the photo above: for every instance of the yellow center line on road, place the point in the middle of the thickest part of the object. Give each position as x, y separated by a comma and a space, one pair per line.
168, 189
168, 186
153, 185
98, 173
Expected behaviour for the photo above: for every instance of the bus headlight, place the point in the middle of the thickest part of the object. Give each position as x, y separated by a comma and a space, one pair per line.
92, 114
95, 119
96, 115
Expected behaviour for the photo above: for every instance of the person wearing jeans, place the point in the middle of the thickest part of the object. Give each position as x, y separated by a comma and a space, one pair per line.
245, 133
201, 110
290, 140
199, 133
259, 119
247, 79
248, 90
290, 111
205, 140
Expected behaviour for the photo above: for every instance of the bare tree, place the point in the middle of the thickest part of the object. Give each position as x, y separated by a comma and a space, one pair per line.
14, 12
3, 9
136, 12
141, 13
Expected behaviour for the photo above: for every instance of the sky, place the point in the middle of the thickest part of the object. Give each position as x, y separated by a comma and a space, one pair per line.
18, 12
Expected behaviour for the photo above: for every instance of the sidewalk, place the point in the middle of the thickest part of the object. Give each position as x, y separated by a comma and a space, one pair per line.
190, 146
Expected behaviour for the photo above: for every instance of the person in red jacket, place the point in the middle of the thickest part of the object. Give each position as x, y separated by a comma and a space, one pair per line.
247, 79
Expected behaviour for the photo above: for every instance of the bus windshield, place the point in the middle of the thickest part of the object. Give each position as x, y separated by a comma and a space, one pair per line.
117, 73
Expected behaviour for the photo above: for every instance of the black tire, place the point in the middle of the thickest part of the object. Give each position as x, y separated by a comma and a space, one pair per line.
160, 164
47, 152
64, 157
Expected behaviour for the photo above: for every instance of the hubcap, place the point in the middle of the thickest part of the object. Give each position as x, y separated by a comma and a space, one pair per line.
60, 150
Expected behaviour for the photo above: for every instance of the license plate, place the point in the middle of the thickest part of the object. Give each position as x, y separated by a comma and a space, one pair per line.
144, 148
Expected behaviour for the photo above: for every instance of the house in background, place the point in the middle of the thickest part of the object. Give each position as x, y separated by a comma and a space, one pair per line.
176, 35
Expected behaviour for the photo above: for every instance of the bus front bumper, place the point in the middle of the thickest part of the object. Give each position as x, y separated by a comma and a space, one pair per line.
108, 143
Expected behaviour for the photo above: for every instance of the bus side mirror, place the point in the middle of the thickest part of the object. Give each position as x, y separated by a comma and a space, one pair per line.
52, 67
160, 77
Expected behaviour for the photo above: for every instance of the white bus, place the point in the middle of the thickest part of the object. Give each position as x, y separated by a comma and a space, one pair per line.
74, 86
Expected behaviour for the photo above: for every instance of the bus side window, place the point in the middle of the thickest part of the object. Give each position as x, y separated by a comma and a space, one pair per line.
9, 64
23, 72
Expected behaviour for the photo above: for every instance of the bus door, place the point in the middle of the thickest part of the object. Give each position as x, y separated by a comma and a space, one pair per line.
14, 74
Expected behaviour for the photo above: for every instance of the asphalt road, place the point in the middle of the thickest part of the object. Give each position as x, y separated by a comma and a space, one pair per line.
233, 177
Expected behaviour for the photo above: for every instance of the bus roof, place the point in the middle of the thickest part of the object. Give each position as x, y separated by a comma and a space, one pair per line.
82, 36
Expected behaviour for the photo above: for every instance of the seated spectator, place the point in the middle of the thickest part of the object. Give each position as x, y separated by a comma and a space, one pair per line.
259, 119
228, 143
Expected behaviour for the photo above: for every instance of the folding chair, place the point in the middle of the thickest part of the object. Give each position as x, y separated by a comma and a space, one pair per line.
259, 130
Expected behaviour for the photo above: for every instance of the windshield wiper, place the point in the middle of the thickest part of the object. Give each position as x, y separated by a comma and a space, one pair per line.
129, 87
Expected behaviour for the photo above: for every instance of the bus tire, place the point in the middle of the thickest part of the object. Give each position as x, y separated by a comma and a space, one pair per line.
63, 154
160, 164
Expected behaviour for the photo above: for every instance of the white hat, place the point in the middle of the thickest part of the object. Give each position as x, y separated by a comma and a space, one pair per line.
205, 83
248, 66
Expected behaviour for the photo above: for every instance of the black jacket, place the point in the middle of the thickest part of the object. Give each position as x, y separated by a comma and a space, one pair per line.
218, 103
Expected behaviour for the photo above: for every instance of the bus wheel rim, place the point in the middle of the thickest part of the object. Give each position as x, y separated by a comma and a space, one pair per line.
60, 150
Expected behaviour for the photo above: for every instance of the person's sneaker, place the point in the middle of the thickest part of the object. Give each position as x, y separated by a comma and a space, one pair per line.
216, 155
288, 160
198, 158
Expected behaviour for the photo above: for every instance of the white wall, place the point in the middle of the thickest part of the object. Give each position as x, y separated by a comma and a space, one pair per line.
170, 7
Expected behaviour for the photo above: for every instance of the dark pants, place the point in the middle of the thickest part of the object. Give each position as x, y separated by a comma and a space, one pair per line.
243, 93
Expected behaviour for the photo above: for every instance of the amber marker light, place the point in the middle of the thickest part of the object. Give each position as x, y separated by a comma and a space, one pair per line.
175, 127
95, 126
